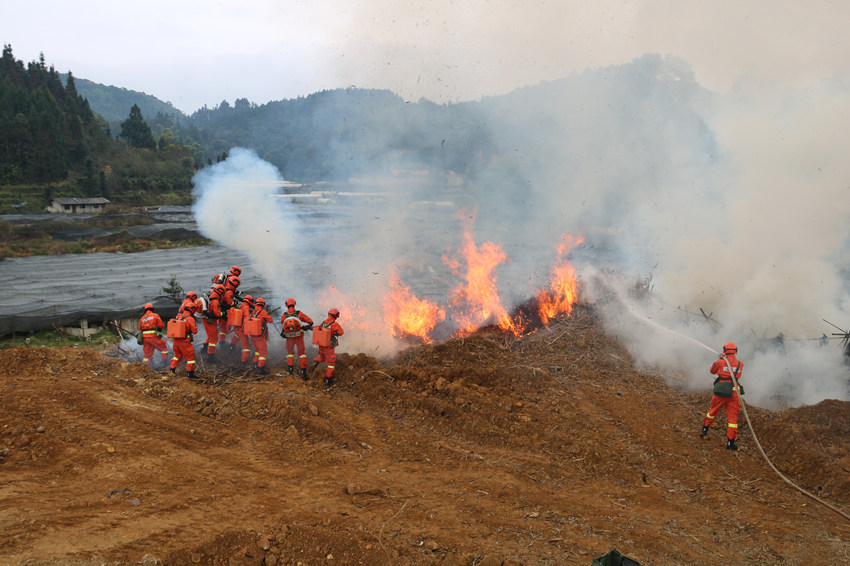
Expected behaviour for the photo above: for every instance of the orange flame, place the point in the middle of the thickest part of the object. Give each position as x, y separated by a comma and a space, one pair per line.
477, 299
407, 315
563, 286
350, 310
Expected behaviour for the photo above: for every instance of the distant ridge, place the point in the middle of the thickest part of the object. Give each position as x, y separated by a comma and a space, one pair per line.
114, 103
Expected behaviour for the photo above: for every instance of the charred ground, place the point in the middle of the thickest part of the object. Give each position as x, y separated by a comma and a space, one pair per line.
547, 449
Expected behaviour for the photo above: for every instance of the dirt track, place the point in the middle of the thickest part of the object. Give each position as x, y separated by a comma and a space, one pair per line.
548, 449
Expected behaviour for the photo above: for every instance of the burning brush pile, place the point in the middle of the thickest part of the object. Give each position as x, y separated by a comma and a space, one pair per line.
474, 303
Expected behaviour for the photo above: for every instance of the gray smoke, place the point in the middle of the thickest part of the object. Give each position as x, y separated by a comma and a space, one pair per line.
729, 205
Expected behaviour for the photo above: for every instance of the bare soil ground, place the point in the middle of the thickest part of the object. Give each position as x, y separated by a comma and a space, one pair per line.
547, 449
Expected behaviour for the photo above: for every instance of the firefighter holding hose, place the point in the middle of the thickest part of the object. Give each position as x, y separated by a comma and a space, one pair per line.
726, 393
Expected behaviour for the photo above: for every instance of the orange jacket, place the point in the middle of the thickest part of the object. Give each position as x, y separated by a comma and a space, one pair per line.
151, 321
719, 368
336, 329
292, 313
191, 326
214, 308
260, 312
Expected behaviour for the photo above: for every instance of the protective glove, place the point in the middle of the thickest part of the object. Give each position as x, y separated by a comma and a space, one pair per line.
307, 327
740, 389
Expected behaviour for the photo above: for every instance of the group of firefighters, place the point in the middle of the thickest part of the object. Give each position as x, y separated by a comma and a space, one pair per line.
249, 320
224, 310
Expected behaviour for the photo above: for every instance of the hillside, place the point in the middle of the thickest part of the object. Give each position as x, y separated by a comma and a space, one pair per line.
114, 103
547, 449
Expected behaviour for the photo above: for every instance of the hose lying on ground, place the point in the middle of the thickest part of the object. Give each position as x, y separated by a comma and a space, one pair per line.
761, 450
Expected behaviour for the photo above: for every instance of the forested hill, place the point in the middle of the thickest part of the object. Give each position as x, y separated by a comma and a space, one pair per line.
114, 103
336, 135
46, 128
53, 144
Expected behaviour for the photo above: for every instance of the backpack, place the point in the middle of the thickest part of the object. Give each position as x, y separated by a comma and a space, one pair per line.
292, 325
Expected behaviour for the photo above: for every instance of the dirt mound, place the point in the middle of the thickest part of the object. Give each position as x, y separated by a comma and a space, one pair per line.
547, 449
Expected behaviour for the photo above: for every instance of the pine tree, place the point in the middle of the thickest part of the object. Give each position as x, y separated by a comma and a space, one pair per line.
136, 131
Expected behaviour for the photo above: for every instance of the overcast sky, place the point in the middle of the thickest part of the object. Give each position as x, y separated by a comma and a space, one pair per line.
194, 53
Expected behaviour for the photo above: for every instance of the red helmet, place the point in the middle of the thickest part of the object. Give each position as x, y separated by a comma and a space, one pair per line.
233, 281
248, 299
217, 290
290, 302
189, 307
236, 270
147, 307
191, 295
334, 313
730, 348
260, 301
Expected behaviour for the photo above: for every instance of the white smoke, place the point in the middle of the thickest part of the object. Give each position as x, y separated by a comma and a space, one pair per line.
732, 204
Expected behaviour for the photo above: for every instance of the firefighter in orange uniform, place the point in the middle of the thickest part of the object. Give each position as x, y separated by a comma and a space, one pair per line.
211, 320
229, 300
726, 393
183, 347
327, 353
294, 323
192, 299
247, 306
261, 349
149, 325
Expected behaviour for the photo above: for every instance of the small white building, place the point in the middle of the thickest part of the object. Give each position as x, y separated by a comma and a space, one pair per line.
78, 205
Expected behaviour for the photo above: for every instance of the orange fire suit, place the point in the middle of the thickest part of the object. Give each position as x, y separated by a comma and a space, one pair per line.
327, 353
183, 346
733, 403
149, 324
239, 331
228, 301
213, 316
292, 321
261, 349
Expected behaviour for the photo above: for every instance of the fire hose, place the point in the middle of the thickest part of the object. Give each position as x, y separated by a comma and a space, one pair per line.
761, 450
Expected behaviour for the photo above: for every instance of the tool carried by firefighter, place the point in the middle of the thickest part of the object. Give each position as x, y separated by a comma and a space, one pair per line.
325, 337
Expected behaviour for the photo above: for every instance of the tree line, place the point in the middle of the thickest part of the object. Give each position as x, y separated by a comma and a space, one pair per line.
51, 138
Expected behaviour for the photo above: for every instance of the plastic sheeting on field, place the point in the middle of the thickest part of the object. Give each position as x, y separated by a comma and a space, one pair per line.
43, 292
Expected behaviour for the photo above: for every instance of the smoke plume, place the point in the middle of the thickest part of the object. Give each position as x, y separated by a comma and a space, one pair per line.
706, 218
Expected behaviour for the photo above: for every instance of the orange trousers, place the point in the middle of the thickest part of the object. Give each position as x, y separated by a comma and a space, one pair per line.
183, 349
733, 407
293, 345
211, 329
244, 341
327, 354
261, 350
153, 342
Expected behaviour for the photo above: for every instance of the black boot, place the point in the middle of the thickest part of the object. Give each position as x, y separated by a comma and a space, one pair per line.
730, 444
330, 381
171, 370
304, 375
263, 371
191, 375
290, 369
704, 431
